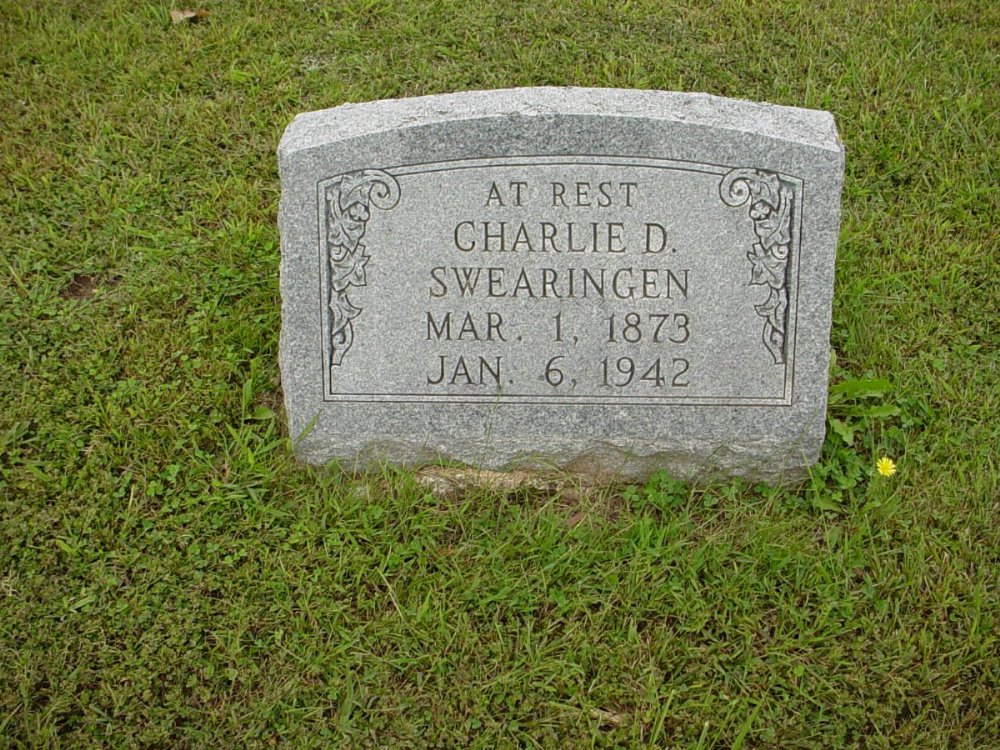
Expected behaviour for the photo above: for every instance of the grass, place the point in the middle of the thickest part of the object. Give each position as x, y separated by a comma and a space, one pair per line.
170, 577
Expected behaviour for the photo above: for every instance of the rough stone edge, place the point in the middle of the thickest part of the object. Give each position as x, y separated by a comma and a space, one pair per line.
603, 461
809, 127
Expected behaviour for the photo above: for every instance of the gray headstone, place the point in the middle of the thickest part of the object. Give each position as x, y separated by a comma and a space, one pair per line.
605, 281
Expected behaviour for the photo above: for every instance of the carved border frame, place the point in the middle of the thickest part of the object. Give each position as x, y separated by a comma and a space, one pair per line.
346, 202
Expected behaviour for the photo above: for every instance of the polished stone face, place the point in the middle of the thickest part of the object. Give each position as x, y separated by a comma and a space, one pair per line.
601, 280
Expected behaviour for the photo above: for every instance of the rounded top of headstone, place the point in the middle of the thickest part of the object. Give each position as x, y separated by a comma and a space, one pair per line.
809, 127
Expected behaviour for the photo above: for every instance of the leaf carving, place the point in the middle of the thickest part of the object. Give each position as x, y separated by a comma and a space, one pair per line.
348, 200
771, 200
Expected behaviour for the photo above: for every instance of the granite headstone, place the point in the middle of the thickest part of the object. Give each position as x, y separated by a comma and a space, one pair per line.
597, 280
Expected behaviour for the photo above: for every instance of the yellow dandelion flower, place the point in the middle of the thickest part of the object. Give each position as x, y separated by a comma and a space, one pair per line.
886, 466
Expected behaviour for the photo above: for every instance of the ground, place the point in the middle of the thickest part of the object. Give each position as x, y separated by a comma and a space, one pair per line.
171, 578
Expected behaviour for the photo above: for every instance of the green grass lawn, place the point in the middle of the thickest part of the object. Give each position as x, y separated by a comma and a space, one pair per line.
171, 578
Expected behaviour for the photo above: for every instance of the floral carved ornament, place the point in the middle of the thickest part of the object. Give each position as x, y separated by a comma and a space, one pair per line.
771, 202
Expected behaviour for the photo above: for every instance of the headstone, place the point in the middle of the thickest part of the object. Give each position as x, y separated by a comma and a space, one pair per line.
604, 281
